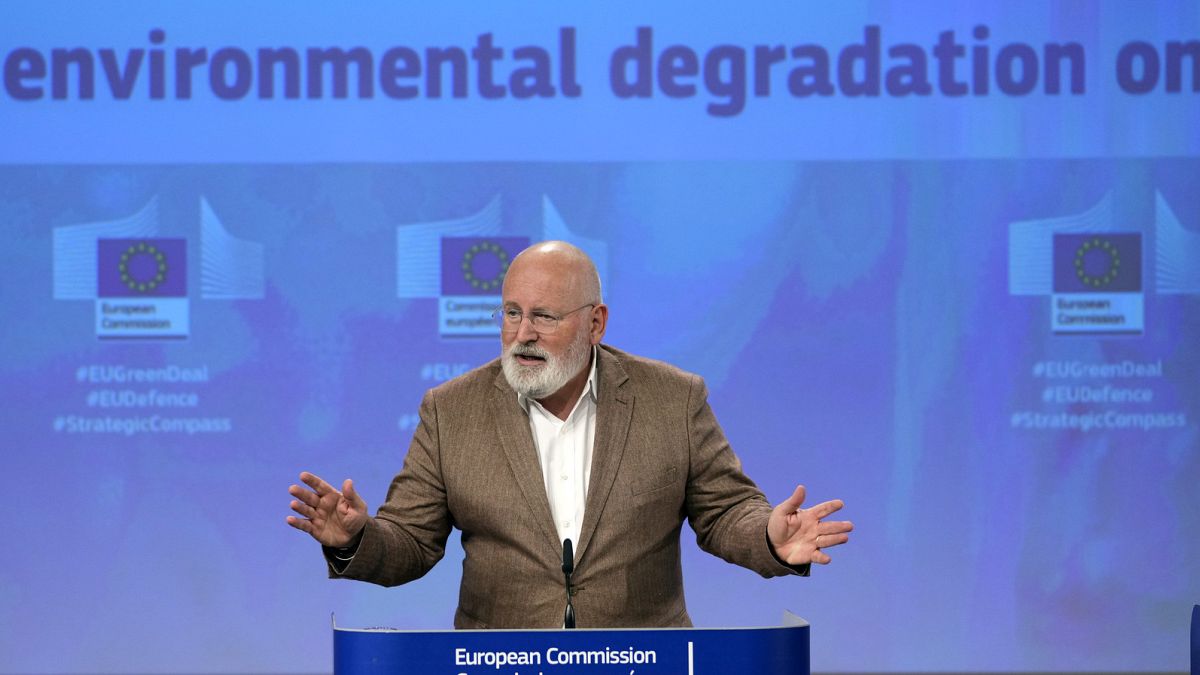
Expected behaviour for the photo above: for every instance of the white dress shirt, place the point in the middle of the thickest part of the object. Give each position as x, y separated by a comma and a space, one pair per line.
564, 449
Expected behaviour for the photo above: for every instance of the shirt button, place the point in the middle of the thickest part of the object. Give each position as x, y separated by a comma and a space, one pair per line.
564, 476
566, 523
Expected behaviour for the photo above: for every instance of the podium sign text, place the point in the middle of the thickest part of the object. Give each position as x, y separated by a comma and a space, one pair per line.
670, 651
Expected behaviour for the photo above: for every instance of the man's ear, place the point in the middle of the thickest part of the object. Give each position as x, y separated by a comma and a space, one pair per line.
599, 322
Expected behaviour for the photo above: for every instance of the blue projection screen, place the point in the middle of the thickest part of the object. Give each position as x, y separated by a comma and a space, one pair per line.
942, 262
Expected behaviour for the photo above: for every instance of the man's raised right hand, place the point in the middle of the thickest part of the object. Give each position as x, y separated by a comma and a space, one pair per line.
333, 518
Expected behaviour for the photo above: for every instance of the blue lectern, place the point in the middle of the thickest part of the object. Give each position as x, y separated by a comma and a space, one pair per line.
781, 650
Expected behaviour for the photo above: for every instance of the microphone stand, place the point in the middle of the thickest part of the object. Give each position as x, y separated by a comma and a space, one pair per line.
568, 566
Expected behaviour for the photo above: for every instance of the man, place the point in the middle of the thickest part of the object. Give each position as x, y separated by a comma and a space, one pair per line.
564, 438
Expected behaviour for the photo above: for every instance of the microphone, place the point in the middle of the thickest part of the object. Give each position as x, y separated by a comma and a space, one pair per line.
568, 566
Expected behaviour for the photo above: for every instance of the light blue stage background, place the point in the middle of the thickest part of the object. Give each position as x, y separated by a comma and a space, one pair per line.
848, 274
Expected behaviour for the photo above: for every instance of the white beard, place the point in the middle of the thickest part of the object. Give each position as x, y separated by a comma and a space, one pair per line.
543, 379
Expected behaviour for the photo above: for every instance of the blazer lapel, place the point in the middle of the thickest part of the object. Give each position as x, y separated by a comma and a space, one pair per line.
614, 410
512, 427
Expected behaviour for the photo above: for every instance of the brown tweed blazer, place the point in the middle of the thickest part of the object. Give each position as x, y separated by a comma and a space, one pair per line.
659, 457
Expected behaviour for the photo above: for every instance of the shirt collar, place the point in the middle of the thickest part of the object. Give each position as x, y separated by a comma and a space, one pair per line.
589, 389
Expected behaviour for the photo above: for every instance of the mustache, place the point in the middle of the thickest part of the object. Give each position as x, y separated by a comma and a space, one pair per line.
528, 349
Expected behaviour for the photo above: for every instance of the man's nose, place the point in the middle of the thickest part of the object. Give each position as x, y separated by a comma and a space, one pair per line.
525, 331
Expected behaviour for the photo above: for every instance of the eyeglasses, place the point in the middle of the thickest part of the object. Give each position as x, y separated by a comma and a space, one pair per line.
509, 318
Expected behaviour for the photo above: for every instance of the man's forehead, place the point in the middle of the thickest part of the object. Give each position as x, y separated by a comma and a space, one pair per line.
542, 302
536, 286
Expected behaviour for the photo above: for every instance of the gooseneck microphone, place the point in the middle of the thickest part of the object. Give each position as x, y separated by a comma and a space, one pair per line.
568, 566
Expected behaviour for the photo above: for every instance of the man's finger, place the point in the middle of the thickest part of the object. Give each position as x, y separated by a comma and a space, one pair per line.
350, 493
824, 509
313, 481
307, 496
300, 524
821, 558
303, 509
834, 527
827, 540
793, 503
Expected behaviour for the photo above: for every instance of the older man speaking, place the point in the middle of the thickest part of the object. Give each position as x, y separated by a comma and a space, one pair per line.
563, 438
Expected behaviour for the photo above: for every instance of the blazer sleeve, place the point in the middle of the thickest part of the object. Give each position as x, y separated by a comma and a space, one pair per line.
725, 508
407, 536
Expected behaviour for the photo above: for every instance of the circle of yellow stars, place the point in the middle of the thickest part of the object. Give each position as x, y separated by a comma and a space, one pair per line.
138, 249
1114, 262
469, 270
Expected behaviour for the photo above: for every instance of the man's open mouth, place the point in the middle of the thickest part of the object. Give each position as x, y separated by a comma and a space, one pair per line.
529, 359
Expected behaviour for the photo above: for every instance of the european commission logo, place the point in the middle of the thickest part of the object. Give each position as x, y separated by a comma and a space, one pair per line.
461, 263
141, 288
138, 279
1098, 284
1097, 272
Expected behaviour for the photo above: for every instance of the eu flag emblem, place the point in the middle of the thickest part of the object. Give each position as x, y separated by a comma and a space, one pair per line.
477, 265
142, 268
1098, 263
